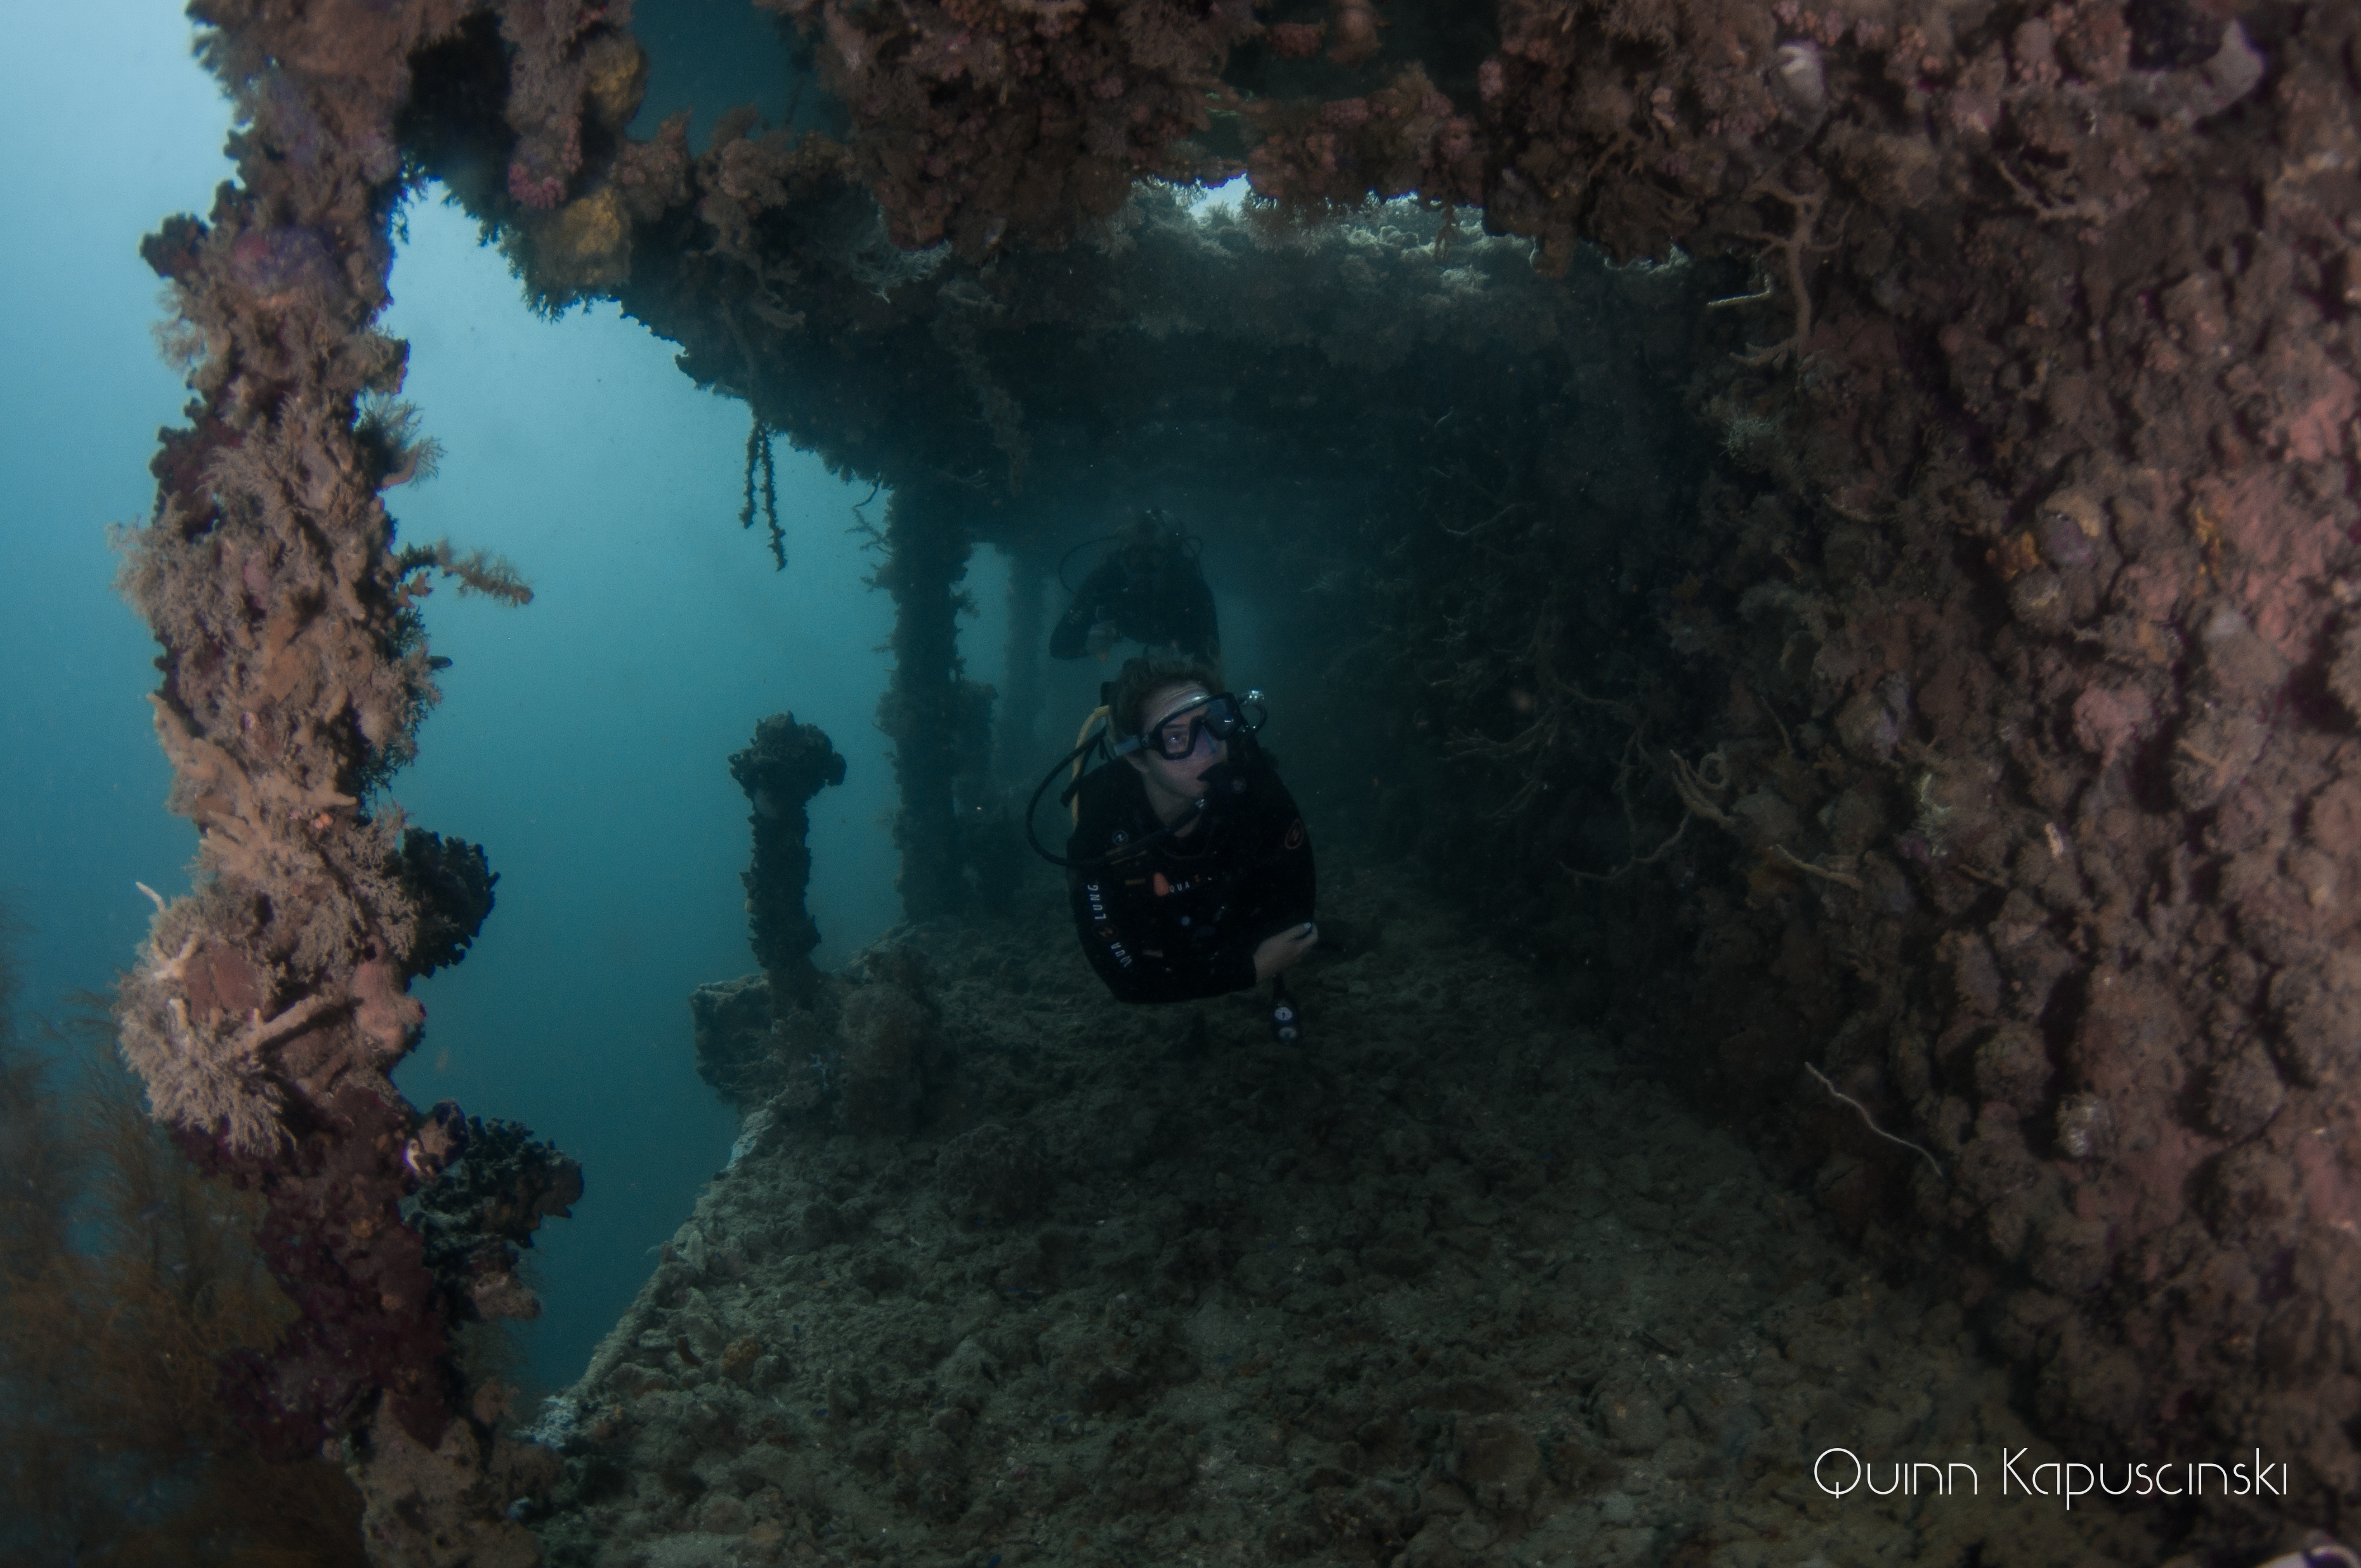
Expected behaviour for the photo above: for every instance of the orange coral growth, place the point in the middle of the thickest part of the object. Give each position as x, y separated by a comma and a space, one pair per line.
2014, 555
1296, 41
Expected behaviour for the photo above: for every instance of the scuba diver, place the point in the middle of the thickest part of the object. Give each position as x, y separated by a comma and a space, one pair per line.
1188, 870
1147, 588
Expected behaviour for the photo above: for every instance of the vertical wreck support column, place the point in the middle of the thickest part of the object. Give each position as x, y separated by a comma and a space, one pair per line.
269, 1007
785, 767
1020, 713
922, 710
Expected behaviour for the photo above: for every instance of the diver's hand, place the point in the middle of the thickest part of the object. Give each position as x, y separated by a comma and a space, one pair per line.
1283, 952
1103, 637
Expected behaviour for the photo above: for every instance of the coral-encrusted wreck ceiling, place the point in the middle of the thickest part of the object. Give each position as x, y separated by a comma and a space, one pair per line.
1904, 448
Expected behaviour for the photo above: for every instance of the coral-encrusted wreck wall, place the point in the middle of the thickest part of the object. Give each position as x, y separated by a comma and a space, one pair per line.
2057, 556
2008, 671
1930, 654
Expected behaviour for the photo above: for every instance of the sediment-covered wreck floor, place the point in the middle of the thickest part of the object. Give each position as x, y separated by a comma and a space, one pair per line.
1453, 1281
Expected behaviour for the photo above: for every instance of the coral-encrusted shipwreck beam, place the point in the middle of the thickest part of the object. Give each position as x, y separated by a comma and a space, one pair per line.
271, 1003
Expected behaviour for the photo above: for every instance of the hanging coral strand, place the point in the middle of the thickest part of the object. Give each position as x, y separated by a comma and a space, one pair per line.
758, 458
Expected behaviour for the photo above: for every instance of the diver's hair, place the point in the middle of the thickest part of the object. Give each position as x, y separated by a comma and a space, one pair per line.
1143, 678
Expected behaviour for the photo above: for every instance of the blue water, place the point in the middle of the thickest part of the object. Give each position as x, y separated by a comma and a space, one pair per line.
582, 740
115, 127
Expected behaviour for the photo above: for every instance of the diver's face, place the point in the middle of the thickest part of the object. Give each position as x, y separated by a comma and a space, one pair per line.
1181, 708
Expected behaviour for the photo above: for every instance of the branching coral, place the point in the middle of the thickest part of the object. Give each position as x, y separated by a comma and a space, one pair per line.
759, 462
1557, 706
476, 572
389, 428
1792, 248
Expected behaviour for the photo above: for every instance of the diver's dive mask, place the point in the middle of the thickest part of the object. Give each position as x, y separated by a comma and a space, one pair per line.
1223, 715
1175, 737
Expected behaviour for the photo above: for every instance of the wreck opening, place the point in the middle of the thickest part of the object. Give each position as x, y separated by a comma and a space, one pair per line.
582, 736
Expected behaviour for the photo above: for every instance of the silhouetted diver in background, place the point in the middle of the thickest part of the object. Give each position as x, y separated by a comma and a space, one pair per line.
1149, 588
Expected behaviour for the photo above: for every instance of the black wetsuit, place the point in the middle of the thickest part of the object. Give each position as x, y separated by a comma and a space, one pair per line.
1181, 917
1163, 601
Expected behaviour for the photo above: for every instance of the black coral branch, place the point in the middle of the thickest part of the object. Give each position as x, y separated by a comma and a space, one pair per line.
476, 572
